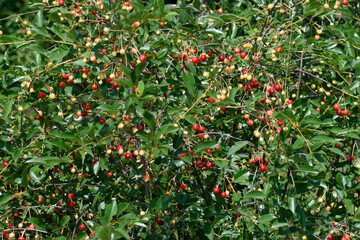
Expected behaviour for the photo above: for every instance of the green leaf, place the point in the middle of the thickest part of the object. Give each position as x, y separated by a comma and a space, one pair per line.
237, 146
5, 198
141, 87
122, 233
150, 120
189, 81
308, 169
64, 221
7, 109
110, 211
292, 204
349, 206
255, 194
206, 145
337, 151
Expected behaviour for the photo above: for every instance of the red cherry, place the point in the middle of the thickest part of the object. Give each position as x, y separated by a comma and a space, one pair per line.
82, 227
194, 60
208, 165
5, 164
346, 112
242, 55
216, 190
102, 121
209, 53
183, 186
62, 85
142, 58
127, 155
110, 174
203, 58
41, 95
336, 106
182, 154
223, 194
238, 215
92, 233
277, 87
115, 85
345, 2
250, 122
21, 238
278, 49
208, 151
200, 136
58, 211
337, 145
87, 107
271, 91
31, 226
61, 3
339, 112
72, 204
160, 221
202, 129
94, 87
221, 58
262, 168
290, 102
350, 158
195, 127
71, 195
236, 50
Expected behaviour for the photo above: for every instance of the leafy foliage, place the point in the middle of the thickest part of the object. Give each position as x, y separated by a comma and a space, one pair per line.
126, 117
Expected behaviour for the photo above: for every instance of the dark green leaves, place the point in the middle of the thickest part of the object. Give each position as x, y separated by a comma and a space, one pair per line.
189, 81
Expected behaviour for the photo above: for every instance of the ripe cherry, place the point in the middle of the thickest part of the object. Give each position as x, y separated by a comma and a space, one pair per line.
109, 174
142, 58
339, 112
5, 164
115, 85
221, 58
31, 226
202, 129
182, 154
41, 95
271, 91
337, 145
21, 238
102, 121
336, 106
346, 112
250, 122
183, 186
277, 87
278, 49
236, 50
223, 194
94, 87
61, 3
345, 2
82, 227
330, 237
208, 165
160, 221
71, 195
216, 190
127, 155
243, 55
238, 215
191, 152
195, 127
262, 168
72, 204
350, 158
